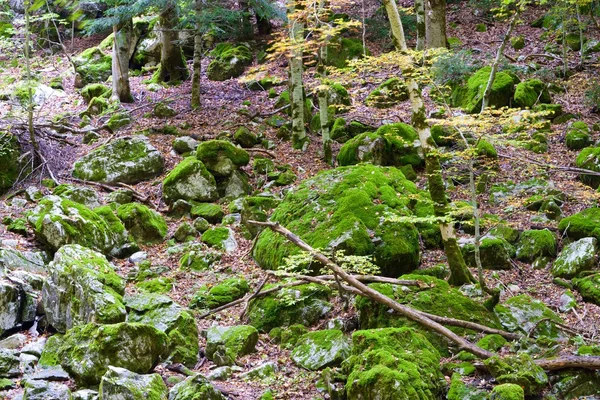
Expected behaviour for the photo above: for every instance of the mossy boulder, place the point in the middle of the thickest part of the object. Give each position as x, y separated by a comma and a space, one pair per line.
495, 253
444, 135
9, 159
589, 158
256, 208
185, 144
95, 90
124, 160
576, 257
209, 297
221, 157
520, 370
436, 298
97, 106
388, 94
459, 390
224, 345
42, 390
213, 213
577, 384
391, 145
82, 195
342, 209
583, 224
198, 260
533, 244
82, 287
319, 349
190, 180
508, 391
244, 137
196, 387
517, 42
86, 351
578, 136
531, 92
393, 363
589, 288
469, 97
160, 285
522, 314
229, 61
169, 317
271, 311
57, 221
220, 238
146, 225
92, 65
120, 383
340, 50
163, 110
118, 120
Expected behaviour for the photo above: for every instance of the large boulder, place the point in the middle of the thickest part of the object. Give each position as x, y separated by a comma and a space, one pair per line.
124, 160
146, 225
520, 369
531, 92
120, 383
58, 221
578, 137
393, 363
340, 50
92, 66
229, 61
82, 287
224, 345
347, 209
10, 300
190, 180
589, 288
391, 145
589, 158
213, 296
196, 387
82, 195
469, 97
9, 159
495, 253
221, 157
86, 351
523, 314
583, 224
388, 94
320, 349
43, 390
576, 257
169, 317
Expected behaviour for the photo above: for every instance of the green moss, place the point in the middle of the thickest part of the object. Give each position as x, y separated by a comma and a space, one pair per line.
520, 370
508, 391
189, 180
338, 130
480, 28
244, 137
9, 159
196, 387
389, 93
224, 345
495, 253
319, 349
92, 65
492, 342
95, 90
530, 92
198, 260
589, 158
460, 391
471, 96
444, 135
210, 212
584, 224
522, 313
486, 149
159, 285
146, 225
222, 293
533, 244
118, 120
342, 50
517, 42
229, 61
589, 288
216, 236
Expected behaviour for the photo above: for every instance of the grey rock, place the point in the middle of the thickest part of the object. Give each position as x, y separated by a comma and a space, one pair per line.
193, 386
263, 371
56, 373
35, 348
9, 364
12, 342
138, 257
85, 394
42, 390
10, 306
184, 144
119, 383
27, 363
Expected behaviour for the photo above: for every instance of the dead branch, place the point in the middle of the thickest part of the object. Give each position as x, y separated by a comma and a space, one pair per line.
563, 362
137, 195
256, 293
544, 55
267, 152
570, 170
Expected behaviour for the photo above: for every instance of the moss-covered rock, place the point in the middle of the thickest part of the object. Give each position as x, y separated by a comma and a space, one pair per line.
92, 65
82, 195
522, 314
271, 311
82, 287
163, 110
196, 387
485, 149
534, 244
319, 349
169, 317
394, 145
244, 137
229, 61
589, 288
86, 351
460, 391
221, 157
58, 221
340, 50
530, 92
224, 345
95, 90
583, 224
9, 159
220, 238
213, 213
576, 257
388, 94
256, 208
342, 209
146, 225
520, 370
184, 144
436, 298
493, 342
125, 160
189, 180
495, 253
185, 232
578, 136
224, 292
120, 383
42, 390
198, 260
444, 135
471, 96
517, 42
589, 158
577, 384
508, 391
160, 285
392, 363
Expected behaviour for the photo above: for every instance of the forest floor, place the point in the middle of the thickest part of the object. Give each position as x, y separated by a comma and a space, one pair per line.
220, 111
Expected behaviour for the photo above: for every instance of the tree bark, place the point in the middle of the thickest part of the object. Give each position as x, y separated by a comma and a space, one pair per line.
396, 24
120, 62
435, 23
172, 63
421, 26
296, 28
197, 69
30, 128
247, 30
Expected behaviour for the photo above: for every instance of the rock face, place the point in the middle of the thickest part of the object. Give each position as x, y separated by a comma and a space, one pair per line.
320, 349
125, 160
399, 363
190, 180
576, 257
86, 351
195, 388
9, 159
469, 97
58, 221
146, 225
522, 313
82, 287
119, 383
224, 345
391, 145
168, 317
345, 209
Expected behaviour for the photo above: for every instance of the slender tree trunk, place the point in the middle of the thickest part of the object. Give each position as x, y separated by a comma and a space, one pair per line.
246, 24
421, 26
120, 62
490, 83
580, 26
396, 24
435, 23
197, 72
30, 128
459, 273
172, 63
299, 138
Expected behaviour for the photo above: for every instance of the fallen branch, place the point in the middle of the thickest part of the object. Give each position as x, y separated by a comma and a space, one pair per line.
562, 362
136, 195
545, 55
247, 302
571, 170
267, 152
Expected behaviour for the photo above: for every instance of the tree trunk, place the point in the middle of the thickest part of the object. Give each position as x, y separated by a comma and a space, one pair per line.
197, 69
120, 62
172, 63
263, 25
247, 30
396, 24
435, 23
299, 138
421, 27
459, 273
32, 139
